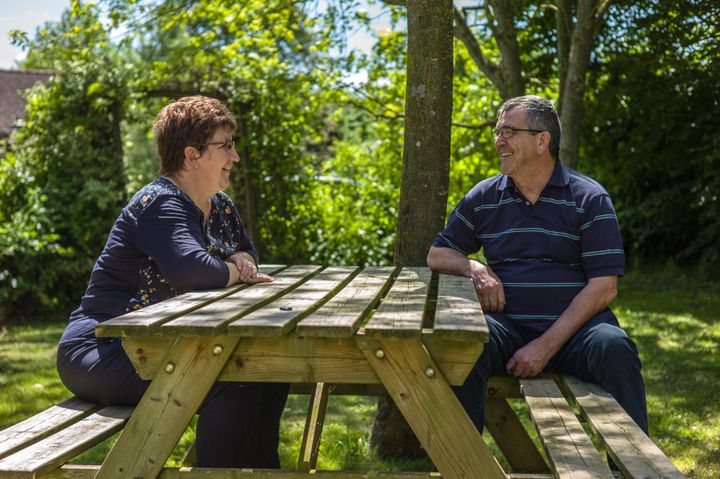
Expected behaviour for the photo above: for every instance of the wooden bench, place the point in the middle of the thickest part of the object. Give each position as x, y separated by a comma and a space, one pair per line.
39, 445
328, 313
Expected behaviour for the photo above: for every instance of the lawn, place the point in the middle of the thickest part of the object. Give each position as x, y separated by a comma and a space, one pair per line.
674, 319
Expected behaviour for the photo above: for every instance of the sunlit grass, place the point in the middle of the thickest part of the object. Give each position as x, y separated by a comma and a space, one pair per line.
674, 320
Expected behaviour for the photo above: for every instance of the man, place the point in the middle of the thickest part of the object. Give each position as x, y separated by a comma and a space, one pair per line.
553, 250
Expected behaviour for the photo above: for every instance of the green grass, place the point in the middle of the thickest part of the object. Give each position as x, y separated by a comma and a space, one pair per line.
673, 318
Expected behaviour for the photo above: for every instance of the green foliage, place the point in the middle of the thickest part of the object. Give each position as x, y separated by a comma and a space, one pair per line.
654, 100
63, 181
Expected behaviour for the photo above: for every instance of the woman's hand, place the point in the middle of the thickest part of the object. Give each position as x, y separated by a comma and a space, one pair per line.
247, 270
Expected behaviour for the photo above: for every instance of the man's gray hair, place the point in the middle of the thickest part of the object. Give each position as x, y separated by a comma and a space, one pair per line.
540, 114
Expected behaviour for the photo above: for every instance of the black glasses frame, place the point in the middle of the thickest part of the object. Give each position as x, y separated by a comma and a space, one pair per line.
508, 132
226, 145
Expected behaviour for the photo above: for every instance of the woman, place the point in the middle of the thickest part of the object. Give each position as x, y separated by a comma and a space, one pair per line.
178, 233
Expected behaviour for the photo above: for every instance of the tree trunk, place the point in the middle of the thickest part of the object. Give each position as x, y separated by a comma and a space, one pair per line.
426, 165
564, 18
574, 86
428, 112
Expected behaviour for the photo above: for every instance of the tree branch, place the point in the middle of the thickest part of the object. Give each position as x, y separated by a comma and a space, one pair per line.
506, 38
462, 32
600, 15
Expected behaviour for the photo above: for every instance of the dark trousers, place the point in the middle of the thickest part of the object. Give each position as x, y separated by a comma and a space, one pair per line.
600, 352
238, 425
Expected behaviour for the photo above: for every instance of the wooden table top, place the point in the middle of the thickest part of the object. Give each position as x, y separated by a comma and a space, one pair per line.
315, 301
303, 327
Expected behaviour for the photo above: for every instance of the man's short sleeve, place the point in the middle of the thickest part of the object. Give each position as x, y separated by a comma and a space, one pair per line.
602, 251
459, 234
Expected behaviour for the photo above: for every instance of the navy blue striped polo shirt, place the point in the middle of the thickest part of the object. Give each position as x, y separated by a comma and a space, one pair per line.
543, 253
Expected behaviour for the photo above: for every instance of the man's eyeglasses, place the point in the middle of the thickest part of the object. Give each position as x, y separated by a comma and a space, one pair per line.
228, 146
508, 132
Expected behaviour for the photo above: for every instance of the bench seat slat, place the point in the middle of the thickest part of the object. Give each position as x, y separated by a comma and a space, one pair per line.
341, 316
630, 448
212, 319
400, 315
55, 450
147, 321
43, 424
571, 453
458, 313
281, 315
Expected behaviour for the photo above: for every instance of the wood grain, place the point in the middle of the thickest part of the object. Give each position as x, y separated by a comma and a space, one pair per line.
571, 453
630, 448
400, 314
342, 315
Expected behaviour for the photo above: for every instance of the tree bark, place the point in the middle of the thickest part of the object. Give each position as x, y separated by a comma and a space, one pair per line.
428, 110
426, 166
564, 18
583, 36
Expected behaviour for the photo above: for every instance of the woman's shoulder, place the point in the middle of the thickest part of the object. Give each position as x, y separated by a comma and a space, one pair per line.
223, 203
160, 188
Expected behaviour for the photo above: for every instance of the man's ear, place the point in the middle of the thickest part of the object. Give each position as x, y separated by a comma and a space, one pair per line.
543, 143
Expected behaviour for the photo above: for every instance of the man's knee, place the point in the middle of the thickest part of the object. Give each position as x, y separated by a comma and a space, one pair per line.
609, 345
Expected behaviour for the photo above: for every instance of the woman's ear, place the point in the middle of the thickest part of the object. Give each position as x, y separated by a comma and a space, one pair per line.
191, 153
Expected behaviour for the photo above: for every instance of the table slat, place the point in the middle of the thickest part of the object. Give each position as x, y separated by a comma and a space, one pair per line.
631, 449
212, 319
458, 313
341, 316
148, 320
400, 314
571, 453
281, 315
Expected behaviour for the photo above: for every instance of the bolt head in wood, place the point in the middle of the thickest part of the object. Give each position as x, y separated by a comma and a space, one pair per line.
430, 372
379, 354
217, 350
169, 368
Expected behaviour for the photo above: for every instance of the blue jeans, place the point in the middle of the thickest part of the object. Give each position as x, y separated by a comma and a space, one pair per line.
600, 352
238, 424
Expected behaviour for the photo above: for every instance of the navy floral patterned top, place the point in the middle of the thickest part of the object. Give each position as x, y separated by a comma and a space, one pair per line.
158, 248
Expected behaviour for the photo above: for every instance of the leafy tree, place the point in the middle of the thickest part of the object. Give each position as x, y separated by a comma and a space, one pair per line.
654, 97
66, 167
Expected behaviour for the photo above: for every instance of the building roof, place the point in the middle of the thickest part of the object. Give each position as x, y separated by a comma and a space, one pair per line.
12, 104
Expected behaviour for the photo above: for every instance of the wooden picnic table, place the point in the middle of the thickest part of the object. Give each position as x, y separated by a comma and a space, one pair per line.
311, 325
400, 331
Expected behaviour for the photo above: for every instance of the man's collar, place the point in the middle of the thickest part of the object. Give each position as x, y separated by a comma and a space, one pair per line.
560, 177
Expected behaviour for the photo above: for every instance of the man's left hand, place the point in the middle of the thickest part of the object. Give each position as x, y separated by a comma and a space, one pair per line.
530, 360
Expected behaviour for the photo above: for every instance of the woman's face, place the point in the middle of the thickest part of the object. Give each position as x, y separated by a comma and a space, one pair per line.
217, 161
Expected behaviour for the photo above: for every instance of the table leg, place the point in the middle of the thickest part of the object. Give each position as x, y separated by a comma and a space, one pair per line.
189, 370
431, 408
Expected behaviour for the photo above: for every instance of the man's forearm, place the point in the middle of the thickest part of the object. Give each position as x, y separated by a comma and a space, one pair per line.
446, 260
531, 359
592, 299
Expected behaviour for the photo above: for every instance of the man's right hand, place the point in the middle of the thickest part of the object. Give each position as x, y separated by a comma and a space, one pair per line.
488, 287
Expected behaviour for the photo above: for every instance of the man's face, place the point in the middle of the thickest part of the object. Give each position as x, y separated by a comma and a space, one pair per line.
519, 153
